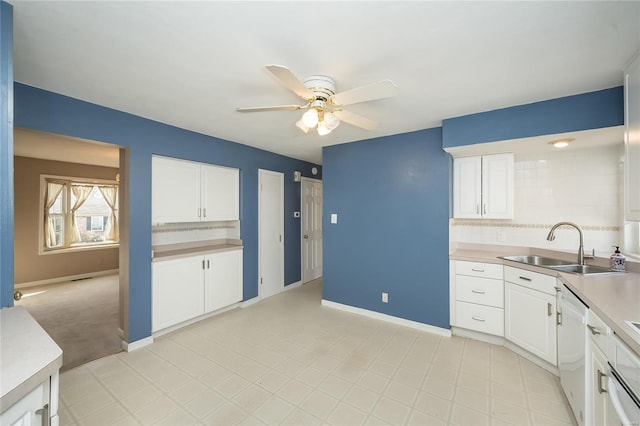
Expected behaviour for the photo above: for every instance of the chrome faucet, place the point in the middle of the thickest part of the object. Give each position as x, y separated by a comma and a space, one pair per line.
551, 236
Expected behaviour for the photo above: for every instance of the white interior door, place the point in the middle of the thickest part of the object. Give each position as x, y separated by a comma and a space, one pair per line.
311, 212
271, 232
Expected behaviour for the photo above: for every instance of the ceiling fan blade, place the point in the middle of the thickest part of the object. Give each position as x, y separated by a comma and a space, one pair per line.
371, 92
356, 119
272, 108
290, 81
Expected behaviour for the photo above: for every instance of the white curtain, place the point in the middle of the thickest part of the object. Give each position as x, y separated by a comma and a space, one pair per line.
53, 190
110, 194
81, 192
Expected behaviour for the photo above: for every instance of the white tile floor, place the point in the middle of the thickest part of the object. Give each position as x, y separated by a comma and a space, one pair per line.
288, 360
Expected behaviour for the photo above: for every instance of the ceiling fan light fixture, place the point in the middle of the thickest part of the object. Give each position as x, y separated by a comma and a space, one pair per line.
331, 121
310, 118
323, 129
302, 126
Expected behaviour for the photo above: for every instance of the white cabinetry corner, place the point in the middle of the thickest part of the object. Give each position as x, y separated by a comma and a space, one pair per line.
477, 297
632, 140
483, 187
530, 312
188, 287
187, 191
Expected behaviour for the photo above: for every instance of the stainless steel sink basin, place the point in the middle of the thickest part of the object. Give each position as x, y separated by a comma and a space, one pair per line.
537, 260
584, 269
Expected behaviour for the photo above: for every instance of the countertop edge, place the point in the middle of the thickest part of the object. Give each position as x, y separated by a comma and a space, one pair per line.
176, 251
15, 394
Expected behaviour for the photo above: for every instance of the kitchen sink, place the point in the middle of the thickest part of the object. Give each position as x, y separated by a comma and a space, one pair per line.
583, 269
537, 260
560, 265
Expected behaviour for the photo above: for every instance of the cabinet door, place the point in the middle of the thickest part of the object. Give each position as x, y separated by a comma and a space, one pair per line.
467, 187
177, 293
598, 395
223, 283
632, 141
175, 191
27, 410
530, 321
497, 186
220, 193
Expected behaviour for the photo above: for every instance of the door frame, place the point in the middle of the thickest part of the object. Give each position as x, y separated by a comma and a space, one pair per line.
302, 182
262, 172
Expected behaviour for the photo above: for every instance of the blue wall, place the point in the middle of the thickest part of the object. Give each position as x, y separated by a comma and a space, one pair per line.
603, 108
6, 154
391, 195
46, 111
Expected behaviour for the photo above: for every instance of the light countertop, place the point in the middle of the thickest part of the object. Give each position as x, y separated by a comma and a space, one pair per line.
28, 356
175, 251
613, 297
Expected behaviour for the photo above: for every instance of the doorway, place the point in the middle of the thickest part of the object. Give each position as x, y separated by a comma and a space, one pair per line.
68, 280
311, 229
270, 233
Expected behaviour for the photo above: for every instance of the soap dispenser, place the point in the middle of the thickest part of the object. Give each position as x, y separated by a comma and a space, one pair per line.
617, 260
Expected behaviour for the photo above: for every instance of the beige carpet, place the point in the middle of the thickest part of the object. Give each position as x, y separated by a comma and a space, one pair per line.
80, 316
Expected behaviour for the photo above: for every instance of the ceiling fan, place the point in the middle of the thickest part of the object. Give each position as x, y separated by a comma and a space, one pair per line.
324, 105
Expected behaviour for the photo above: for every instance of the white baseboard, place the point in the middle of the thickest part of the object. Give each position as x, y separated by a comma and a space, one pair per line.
388, 318
531, 357
63, 279
476, 335
138, 344
293, 285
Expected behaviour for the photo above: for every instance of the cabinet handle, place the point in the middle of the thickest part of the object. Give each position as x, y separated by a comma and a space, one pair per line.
477, 270
477, 291
601, 375
478, 319
208, 264
593, 330
559, 318
525, 278
484, 209
549, 309
202, 263
199, 212
44, 412
204, 212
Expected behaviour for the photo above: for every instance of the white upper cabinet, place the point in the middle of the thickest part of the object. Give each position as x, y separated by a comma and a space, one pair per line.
186, 191
483, 187
632, 140
175, 190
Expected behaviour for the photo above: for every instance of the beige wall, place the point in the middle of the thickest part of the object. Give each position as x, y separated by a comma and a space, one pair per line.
29, 265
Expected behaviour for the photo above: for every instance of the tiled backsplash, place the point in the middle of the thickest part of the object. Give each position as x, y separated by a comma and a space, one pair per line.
581, 186
173, 233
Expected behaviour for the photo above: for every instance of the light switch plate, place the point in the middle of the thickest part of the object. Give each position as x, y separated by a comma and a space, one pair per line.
334, 218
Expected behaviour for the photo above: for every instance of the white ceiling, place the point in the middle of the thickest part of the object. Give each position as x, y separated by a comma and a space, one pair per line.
190, 64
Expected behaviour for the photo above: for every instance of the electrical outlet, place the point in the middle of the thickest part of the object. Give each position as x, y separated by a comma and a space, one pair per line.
385, 297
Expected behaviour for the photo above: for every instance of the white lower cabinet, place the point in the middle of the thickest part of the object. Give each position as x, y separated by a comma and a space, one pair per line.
478, 297
598, 379
530, 321
38, 407
223, 280
188, 287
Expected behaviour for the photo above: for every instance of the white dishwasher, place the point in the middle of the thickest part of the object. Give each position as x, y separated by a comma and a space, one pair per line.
571, 350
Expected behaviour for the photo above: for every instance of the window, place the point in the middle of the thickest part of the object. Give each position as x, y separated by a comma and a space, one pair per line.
78, 213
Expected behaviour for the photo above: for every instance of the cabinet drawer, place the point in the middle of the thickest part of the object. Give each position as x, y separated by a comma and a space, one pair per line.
598, 330
485, 319
478, 269
484, 291
532, 280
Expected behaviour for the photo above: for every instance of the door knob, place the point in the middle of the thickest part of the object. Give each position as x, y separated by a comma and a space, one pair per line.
306, 237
